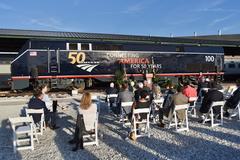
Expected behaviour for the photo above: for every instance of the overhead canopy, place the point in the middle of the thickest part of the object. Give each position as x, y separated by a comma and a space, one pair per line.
225, 37
37, 34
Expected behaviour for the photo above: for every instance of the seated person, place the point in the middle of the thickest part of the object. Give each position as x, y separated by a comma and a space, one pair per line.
189, 91
124, 96
157, 94
202, 84
111, 90
178, 99
168, 107
233, 101
84, 120
148, 88
212, 95
138, 91
142, 103
36, 102
132, 87
50, 104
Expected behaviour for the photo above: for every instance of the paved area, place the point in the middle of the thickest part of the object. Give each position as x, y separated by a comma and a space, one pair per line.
201, 142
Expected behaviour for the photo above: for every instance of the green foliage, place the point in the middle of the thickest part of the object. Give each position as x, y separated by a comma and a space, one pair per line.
119, 77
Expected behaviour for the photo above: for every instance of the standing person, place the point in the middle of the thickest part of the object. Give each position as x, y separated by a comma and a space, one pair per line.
84, 120
36, 102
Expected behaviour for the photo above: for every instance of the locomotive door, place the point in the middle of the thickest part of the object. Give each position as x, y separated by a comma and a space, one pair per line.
219, 63
53, 62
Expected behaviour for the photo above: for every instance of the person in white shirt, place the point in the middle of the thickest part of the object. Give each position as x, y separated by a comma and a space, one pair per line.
48, 101
87, 113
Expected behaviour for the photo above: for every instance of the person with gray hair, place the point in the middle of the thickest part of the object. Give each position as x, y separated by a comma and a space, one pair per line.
132, 87
156, 91
111, 90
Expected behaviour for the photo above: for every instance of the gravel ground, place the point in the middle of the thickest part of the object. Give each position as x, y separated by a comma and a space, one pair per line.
201, 142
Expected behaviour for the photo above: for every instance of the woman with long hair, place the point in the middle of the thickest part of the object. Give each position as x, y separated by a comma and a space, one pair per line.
84, 120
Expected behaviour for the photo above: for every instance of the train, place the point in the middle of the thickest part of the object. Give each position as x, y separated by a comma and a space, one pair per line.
231, 68
64, 63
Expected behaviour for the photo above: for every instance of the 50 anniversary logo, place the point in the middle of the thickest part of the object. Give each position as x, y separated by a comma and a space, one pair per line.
79, 58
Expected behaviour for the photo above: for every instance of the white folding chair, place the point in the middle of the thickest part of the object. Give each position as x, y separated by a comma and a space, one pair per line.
91, 138
109, 96
23, 126
125, 106
229, 91
235, 112
156, 104
41, 126
176, 123
137, 120
210, 115
192, 108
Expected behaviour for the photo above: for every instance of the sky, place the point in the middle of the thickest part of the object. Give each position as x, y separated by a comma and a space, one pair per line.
132, 17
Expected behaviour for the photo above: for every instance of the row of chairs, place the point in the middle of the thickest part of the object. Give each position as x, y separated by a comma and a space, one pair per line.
25, 130
189, 109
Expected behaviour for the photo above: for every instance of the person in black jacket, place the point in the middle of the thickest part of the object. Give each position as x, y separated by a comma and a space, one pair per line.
37, 103
232, 102
212, 95
138, 91
112, 90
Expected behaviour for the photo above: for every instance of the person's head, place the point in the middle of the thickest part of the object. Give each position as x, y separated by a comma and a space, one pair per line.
238, 83
132, 83
145, 83
187, 83
86, 100
112, 85
43, 88
156, 89
140, 85
213, 85
143, 94
179, 89
38, 94
125, 86
207, 80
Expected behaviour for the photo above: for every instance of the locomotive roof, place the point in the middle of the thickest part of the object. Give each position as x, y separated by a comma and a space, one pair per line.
56, 35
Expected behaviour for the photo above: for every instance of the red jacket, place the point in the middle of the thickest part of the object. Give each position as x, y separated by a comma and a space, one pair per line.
190, 91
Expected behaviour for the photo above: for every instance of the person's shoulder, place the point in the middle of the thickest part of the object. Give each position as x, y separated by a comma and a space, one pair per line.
93, 107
